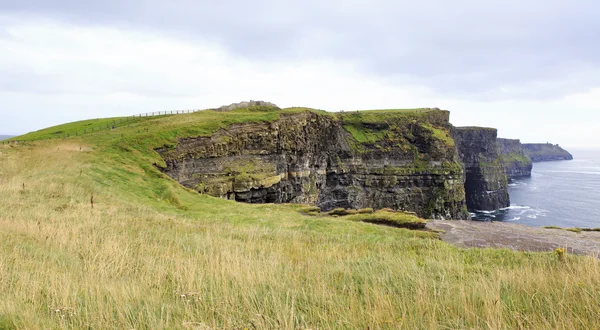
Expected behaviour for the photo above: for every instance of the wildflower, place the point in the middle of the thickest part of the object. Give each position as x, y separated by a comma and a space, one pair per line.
560, 253
64, 312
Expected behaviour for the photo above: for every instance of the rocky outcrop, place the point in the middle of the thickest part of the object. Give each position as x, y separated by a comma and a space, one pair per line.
515, 159
246, 104
486, 183
507, 235
405, 160
542, 152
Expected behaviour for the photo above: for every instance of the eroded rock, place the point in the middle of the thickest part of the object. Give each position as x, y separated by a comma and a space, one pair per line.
486, 183
516, 161
405, 162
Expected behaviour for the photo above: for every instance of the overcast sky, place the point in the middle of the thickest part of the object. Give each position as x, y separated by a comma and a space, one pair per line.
531, 68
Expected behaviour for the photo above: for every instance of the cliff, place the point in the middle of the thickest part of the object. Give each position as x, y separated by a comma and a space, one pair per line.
541, 152
486, 183
515, 159
405, 160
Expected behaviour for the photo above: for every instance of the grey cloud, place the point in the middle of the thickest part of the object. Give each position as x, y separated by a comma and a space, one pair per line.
463, 47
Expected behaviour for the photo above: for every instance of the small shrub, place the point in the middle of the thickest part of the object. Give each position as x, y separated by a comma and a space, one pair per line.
575, 230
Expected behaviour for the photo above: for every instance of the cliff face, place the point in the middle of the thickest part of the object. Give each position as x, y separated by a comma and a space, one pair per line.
541, 152
401, 160
515, 159
486, 183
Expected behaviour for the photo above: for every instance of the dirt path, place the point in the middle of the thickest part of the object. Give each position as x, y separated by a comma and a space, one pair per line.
515, 236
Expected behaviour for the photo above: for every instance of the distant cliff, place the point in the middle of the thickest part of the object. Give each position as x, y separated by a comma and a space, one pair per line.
515, 158
486, 183
541, 152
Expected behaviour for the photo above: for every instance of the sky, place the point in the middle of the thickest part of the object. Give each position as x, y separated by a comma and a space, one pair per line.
529, 68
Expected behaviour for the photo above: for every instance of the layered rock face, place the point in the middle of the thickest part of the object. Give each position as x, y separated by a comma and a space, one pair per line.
516, 161
486, 183
542, 152
401, 160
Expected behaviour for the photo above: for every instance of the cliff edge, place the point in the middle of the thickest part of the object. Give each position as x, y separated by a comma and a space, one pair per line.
486, 183
400, 159
515, 158
409, 160
542, 152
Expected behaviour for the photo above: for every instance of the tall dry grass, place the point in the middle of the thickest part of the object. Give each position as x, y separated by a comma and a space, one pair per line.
138, 264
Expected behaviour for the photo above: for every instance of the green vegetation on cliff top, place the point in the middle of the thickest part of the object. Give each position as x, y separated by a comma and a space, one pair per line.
152, 254
517, 158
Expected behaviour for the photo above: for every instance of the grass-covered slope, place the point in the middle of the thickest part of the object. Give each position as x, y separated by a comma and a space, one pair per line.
152, 254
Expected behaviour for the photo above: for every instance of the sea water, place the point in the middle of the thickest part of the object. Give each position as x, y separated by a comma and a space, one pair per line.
559, 193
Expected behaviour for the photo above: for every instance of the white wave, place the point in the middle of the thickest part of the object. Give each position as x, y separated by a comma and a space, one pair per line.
533, 216
516, 207
518, 184
484, 212
575, 172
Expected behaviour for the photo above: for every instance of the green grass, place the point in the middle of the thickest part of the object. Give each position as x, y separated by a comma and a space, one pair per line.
152, 254
574, 229
512, 158
393, 219
439, 134
81, 128
373, 125
552, 227
396, 128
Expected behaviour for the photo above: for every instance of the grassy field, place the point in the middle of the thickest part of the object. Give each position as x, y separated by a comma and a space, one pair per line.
154, 255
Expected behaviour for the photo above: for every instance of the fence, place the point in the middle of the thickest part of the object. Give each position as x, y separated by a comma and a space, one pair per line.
164, 113
107, 126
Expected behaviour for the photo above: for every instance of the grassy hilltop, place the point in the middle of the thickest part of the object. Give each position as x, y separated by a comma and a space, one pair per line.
154, 255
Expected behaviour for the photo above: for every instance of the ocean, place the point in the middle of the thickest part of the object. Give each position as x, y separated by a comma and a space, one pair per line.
560, 193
